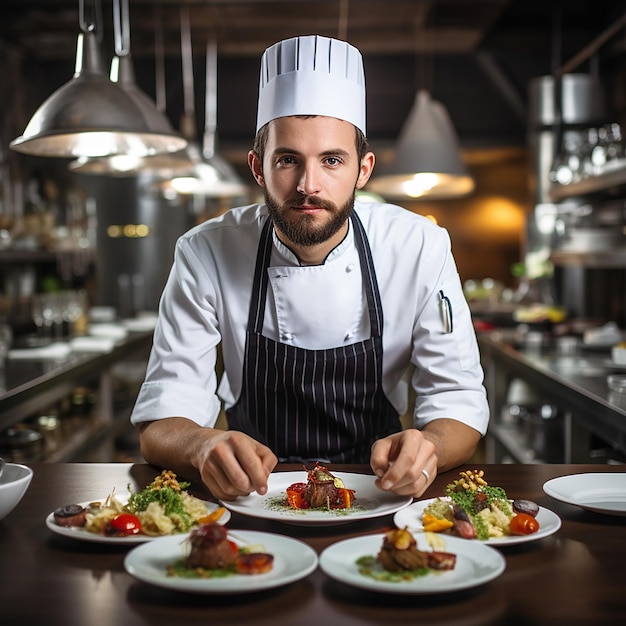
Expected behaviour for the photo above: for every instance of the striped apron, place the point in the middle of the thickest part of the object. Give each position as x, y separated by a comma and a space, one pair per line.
306, 405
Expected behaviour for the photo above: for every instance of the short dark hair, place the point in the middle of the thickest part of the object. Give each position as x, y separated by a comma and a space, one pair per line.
260, 141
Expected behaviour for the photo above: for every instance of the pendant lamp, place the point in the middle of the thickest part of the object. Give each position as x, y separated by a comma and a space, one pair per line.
211, 174
90, 116
120, 165
427, 162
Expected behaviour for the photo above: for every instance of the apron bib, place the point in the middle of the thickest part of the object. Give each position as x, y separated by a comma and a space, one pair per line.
306, 405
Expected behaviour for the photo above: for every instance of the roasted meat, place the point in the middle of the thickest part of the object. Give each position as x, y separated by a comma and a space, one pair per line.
322, 490
399, 552
210, 547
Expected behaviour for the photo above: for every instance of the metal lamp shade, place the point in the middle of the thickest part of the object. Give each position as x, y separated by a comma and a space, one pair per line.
123, 73
164, 166
91, 116
209, 176
427, 162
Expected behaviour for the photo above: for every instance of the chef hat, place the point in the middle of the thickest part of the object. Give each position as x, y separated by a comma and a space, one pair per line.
312, 75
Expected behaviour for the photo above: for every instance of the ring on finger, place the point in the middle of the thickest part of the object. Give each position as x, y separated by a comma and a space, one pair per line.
426, 474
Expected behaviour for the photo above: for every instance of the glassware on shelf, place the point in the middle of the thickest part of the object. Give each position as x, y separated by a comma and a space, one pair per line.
56, 310
42, 315
74, 310
588, 153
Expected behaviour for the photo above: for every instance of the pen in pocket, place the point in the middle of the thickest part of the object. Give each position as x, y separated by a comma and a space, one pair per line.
446, 310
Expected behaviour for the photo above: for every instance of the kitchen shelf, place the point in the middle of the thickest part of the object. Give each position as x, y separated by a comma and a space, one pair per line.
614, 258
592, 185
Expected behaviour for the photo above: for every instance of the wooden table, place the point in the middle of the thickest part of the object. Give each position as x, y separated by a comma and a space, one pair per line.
573, 577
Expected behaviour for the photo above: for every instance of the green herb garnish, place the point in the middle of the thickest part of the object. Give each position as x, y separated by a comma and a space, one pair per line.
166, 491
370, 567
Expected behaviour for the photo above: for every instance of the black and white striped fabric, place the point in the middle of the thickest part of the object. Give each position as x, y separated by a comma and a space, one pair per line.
306, 405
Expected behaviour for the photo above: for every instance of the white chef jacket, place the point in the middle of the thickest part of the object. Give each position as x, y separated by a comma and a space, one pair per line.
207, 295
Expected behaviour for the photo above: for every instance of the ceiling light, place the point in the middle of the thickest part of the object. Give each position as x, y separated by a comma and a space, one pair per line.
121, 165
90, 116
427, 162
123, 73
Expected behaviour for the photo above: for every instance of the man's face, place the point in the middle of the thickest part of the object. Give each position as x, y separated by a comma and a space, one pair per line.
309, 174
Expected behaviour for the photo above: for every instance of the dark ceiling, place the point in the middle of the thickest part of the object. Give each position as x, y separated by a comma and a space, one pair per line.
476, 56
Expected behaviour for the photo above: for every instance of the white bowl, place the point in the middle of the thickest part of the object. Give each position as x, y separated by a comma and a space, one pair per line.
13, 484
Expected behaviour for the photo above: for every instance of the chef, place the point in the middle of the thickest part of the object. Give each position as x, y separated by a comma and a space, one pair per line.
324, 309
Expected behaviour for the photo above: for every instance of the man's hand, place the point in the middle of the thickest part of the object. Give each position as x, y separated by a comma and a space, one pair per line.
233, 464
230, 463
408, 461
404, 463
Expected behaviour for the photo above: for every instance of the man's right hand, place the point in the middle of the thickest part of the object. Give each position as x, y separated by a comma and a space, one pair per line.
233, 464
230, 463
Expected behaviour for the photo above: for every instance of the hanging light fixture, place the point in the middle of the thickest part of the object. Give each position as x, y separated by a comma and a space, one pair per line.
123, 73
91, 116
211, 174
427, 160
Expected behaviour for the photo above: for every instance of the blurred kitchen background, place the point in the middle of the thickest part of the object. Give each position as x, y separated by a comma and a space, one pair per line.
532, 95
490, 63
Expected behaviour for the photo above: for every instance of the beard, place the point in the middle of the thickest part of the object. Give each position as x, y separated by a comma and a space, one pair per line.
304, 230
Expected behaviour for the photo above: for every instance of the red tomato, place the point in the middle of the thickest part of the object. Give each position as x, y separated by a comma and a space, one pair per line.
523, 524
296, 496
123, 525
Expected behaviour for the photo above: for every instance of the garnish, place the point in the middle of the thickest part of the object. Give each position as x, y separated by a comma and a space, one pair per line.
167, 491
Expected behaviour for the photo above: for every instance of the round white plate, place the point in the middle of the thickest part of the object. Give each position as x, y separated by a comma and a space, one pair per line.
84, 535
369, 501
599, 492
549, 523
476, 564
293, 560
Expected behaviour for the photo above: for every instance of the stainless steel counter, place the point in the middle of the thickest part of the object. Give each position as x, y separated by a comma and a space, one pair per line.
576, 384
34, 385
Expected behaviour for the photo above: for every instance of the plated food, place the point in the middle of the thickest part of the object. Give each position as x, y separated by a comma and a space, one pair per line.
163, 508
601, 493
322, 490
369, 501
472, 509
292, 561
399, 558
475, 564
213, 554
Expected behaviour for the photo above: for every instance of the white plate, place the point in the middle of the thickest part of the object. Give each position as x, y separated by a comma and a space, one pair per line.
549, 523
293, 560
84, 535
476, 564
600, 492
369, 501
